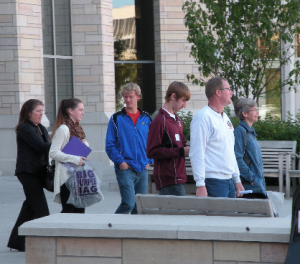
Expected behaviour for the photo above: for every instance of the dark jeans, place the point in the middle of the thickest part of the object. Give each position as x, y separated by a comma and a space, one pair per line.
131, 183
220, 188
35, 206
68, 208
174, 189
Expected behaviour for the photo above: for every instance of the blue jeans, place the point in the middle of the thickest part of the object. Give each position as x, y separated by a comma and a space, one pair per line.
220, 188
174, 189
130, 184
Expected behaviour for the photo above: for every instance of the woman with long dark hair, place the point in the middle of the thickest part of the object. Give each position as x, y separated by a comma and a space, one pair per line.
33, 145
69, 114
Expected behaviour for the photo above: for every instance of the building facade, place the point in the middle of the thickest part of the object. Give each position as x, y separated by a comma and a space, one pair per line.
54, 49
88, 49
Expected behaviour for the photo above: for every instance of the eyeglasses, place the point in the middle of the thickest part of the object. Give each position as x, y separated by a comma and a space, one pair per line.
226, 89
255, 110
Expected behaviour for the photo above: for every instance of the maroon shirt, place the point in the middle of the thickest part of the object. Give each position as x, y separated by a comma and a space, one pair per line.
165, 145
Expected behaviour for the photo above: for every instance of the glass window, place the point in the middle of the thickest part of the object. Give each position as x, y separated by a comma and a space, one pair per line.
64, 79
133, 30
144, 30
271, 100
269, 47
47, 27
58, 60
63, 27
142, 74
49, 84
134, 49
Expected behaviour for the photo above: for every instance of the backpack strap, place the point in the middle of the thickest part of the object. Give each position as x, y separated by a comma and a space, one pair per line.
246, 143
246, 159
114, 118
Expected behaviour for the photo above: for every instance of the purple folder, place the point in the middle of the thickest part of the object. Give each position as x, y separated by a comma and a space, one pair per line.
77, 148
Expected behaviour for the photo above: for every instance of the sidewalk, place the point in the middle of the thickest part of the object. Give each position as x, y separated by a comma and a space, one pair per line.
12, 197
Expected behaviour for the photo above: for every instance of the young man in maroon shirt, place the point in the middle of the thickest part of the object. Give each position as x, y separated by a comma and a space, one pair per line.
166, 143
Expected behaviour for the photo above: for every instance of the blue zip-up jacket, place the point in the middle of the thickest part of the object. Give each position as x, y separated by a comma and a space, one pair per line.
253, 173
126, 142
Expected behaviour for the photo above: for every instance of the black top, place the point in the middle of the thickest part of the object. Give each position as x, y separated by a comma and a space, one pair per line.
33, 148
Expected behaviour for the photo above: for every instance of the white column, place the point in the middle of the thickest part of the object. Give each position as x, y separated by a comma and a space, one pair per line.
288, 97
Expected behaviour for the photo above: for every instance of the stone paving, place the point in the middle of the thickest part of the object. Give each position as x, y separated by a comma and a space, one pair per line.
12, 197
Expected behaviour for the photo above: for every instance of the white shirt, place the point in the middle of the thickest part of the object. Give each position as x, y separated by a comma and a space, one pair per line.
59, 140
171, 115
212, 147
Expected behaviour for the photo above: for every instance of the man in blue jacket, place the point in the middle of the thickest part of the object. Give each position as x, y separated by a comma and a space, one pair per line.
126, 141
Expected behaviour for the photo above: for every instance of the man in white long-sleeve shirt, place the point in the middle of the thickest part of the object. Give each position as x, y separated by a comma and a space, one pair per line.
212, 155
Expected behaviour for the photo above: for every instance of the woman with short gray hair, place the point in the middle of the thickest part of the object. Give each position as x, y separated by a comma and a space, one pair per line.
247, 151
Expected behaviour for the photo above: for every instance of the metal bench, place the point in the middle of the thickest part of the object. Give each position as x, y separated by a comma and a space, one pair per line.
291, 173
274, 160
210, 206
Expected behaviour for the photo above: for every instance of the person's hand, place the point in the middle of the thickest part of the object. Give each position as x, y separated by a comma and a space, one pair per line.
239, 187
201, 191
124, 166
186, 151
81, 162
147, 167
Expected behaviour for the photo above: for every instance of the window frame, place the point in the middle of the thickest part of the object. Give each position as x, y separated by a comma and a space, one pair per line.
63, 57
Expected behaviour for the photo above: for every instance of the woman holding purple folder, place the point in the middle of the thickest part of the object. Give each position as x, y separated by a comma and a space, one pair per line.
66, 126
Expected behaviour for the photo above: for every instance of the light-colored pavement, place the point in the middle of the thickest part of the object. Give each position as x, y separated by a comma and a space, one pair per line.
11, 200
12, 197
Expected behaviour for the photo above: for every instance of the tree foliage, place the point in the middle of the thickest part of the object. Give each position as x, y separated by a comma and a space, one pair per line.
273, 128
242, 40
186, 119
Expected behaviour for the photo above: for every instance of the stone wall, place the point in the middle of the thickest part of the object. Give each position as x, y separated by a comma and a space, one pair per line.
172, 60
113, 238
130, 251
22, 73
21, 69
94, 70
93, 54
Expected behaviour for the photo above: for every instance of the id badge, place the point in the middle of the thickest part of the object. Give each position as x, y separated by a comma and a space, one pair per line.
177, 137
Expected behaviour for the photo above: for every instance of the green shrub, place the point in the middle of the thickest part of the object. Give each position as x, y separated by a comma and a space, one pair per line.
234, 120
272, 128
186, 119
227, 110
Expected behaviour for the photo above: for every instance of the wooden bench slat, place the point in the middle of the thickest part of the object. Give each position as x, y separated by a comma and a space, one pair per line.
271, 157
276, 143
271, 150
